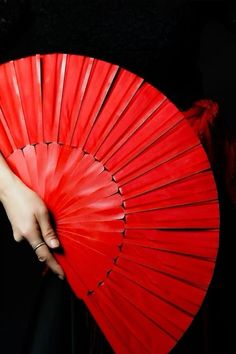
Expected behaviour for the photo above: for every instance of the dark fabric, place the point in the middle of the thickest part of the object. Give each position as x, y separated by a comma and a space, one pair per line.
61, 323
187, 50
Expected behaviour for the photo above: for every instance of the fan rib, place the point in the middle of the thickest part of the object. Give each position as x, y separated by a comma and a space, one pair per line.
140, 262
111, 330
87, 121
11, 104
186, 190
195, 166
16, 160
116, 163
171, 206
151, 245
177, 297
141, 333
149, 310
123, 91
77, 73
135, 115
6, 137
59, 97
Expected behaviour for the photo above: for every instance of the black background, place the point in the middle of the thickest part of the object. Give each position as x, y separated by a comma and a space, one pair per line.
187, 49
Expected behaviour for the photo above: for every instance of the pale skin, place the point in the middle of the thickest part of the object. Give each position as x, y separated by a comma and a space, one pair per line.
28, 216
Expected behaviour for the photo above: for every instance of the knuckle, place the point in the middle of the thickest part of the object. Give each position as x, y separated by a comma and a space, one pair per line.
27, 230
42, 211
24, 232
18, 238
49, 234
32, 240
42, 258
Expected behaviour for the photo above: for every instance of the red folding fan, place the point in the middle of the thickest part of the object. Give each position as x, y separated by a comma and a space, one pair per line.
129, 186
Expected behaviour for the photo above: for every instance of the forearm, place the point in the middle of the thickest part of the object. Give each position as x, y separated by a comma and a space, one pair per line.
6, 176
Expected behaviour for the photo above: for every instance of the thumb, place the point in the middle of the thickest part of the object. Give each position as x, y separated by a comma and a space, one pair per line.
47, 231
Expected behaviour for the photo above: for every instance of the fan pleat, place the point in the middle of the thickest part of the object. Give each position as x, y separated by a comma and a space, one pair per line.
188, 217
153, 246
81, 253
53, 72
11, 105
113, 313
185, 165
129, 174
156, 309
129, 188
176, 241
178, 266
98, 247
74, 276
182, 295
109, 226
130, 324
8, 144
142, 106
89, 203
93, 215
188, 191
51, 154
17, 163
115, 333
42, 158
171, 143
145, 139
67, 202
123, 91
99, 82
112, 238
27, 71
81, 167
29, 153
78, 70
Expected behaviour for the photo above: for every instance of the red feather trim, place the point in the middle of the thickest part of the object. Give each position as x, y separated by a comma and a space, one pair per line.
201, 117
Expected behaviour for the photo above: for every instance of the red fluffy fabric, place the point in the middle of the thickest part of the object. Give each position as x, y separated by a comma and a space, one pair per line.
201, 117
221, 150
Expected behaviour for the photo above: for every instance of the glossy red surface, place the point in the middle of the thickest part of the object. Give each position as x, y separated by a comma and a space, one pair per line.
130, 188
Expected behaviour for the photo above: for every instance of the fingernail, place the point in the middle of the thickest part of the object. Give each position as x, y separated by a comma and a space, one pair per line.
61, 277
54, 243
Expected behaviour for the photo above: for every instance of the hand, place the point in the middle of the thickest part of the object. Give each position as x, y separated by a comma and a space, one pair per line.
29, 218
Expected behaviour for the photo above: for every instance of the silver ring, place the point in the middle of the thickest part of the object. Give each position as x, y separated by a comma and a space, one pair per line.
38, 245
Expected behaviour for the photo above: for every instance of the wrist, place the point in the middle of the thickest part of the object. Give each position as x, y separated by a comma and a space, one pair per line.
6, 184
7, 178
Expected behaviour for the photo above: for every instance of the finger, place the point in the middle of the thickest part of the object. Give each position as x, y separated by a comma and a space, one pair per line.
47, 231
44, 255
18, 237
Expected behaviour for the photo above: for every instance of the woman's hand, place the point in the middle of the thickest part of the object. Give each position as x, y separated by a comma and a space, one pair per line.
29, 217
